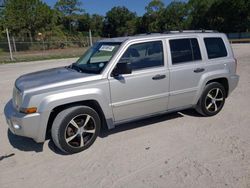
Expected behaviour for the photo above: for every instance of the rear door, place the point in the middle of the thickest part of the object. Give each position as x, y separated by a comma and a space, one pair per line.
145, 91
186, 68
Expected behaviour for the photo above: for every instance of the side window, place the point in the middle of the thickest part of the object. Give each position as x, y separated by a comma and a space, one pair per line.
215, 48
184, 50
144, 55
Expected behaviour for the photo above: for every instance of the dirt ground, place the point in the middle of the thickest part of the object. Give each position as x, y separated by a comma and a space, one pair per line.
180, 149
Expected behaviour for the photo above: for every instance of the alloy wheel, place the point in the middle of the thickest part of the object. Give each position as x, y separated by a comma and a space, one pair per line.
80, 131
214, 100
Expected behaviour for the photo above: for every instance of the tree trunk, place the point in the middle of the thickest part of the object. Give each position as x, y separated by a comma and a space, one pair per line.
30, 36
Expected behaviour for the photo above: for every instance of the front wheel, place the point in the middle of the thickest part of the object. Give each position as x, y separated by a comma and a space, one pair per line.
75, 129
212, 99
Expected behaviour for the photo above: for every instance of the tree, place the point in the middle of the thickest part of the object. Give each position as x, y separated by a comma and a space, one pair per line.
1, 17
68, 7
96, 24
84, 21
28, 17
119, 21
155, 6
197, 13
68, 10
174, 17
151, 19
229, 16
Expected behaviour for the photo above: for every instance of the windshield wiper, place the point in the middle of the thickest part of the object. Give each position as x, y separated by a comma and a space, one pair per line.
75, 67
81, 69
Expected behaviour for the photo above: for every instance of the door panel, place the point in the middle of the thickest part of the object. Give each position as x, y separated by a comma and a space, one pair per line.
139, 94
186, 70
145, 91
184, 85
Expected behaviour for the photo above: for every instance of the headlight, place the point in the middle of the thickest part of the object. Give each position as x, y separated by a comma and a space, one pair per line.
17, 98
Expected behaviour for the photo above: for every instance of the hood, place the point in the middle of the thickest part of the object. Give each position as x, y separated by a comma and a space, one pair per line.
48, 77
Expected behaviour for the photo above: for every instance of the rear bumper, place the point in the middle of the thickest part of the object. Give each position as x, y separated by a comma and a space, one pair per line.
22, 124
233, 82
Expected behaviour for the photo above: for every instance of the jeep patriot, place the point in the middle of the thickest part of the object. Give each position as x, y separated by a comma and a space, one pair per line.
120, 80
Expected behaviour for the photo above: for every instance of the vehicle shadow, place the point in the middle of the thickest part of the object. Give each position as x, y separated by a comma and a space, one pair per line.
27, 144
191, 112
124, 127
23, 143
53, 148
140, 123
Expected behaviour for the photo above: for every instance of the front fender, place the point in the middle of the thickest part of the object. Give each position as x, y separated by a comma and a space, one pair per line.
54, 100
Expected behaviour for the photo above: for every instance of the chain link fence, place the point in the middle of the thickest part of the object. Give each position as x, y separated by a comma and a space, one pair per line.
239, 37
29, 49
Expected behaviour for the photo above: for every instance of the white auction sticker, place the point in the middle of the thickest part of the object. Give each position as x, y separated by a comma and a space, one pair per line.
107, 48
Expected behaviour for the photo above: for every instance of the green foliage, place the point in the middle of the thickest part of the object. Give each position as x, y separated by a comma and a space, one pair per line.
83, 22
154, 7
68, 21
197, 13
151, 20
174, 16
1, 23
229, 16
27, 16
119, 21
68, 12
96, 24
68, 7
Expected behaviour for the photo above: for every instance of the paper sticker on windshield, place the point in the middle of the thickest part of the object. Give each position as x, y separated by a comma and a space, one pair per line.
107, 48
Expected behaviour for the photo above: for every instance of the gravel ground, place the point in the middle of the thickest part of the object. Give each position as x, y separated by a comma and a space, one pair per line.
176, 150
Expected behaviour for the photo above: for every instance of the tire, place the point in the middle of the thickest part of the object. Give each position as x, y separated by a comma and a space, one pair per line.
75, 129
212, 99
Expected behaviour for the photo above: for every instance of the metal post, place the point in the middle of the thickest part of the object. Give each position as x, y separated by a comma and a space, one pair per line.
43, 46
8, 37
14, 43
90, 38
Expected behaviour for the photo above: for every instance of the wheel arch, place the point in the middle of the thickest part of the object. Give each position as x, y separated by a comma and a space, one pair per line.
223, 81
90, 103
220, 76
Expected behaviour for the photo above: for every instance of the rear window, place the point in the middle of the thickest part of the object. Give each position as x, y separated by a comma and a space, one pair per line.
215, 48
184, 50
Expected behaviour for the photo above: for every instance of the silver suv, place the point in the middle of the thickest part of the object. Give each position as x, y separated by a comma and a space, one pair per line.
120, 80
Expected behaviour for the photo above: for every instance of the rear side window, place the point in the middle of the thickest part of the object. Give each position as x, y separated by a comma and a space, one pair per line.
215, 48
184, 50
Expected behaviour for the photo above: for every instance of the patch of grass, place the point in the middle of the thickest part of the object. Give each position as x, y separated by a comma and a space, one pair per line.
42, 55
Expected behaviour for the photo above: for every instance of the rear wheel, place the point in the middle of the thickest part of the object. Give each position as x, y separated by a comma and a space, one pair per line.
75, 129
212, 99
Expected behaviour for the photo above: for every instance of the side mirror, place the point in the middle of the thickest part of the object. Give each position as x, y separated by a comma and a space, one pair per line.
122, 68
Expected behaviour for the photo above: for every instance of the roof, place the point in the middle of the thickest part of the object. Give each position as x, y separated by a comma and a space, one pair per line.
150, 35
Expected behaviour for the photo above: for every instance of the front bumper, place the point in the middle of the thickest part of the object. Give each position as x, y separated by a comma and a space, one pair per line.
22, 124
233, 82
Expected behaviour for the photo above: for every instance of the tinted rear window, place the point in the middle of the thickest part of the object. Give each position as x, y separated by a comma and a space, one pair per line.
215, 48
184, 50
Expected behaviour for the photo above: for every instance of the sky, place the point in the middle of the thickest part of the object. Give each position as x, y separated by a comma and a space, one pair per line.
103, 6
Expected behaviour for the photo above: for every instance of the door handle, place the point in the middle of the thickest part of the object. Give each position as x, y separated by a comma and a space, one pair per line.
199, 70
159, 77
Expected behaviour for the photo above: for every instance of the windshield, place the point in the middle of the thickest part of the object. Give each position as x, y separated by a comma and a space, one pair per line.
96, 58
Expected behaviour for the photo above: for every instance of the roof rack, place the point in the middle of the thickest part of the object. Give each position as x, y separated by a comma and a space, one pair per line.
191, 31
148, 33
179, 31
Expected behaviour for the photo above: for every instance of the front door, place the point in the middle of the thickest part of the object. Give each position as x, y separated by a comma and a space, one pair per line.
145, 91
